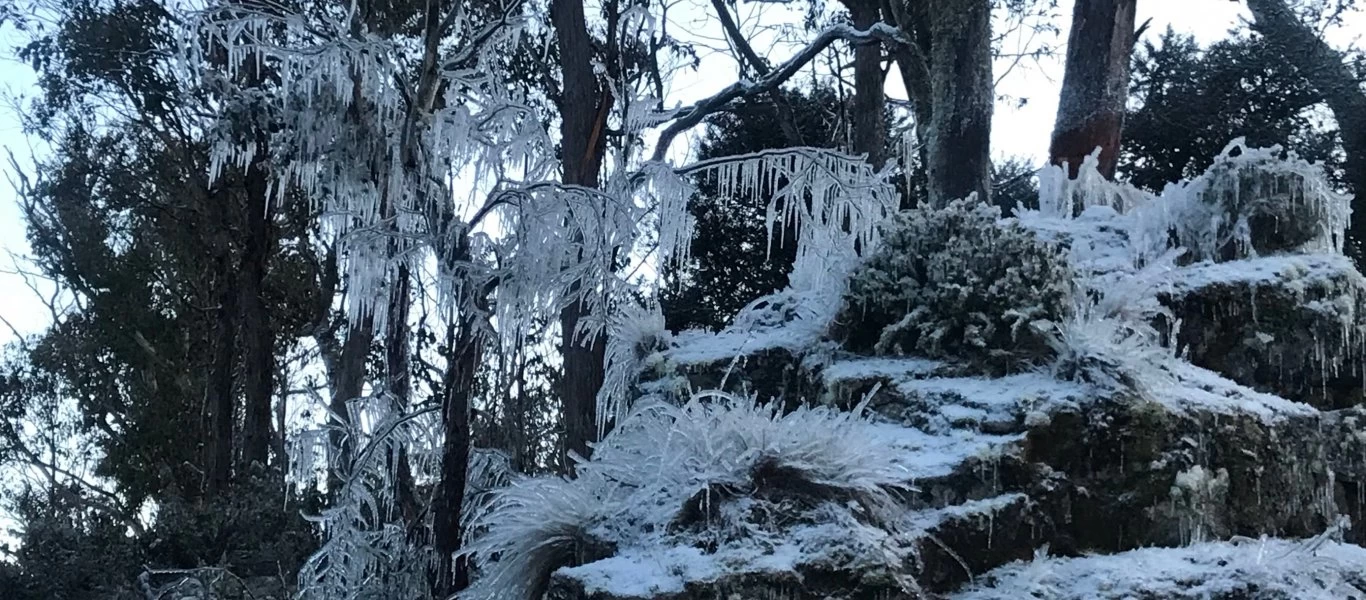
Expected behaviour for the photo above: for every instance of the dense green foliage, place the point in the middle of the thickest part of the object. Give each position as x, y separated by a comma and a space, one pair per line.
1187, 102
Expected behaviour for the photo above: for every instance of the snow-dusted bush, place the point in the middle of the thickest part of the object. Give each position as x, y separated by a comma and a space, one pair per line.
1256, 201
957, 282
703, 475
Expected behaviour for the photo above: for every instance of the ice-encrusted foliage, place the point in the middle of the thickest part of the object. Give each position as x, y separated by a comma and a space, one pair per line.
1255, 201
635, 333
834, 202
355, 144
702, 474
367, 551
957, 282
1063, 196
1240, 223
1250, 202
1112, 337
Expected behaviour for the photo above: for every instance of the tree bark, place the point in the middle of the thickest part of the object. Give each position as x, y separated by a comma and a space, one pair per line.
1095, 85
583, 117
870, 101
1324, 68
457, 387
348, 383
958, 135
218, 394
258, 341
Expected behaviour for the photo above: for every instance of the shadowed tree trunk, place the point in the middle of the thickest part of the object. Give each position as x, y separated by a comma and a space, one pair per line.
218, 395
1095, 85
1325, 69
258, 341
457, 388
870, 128
583, 118
958, 135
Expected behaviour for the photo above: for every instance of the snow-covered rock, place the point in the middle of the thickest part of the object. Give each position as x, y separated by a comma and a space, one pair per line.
1246, 569
1223, 458
1294, 325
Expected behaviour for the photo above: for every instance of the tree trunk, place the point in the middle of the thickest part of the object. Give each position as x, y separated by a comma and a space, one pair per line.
870, 125
1324, 68
218, 394
583, 118
258, 341
457, 388
958, 136
1095, 85
348, 383
398, 382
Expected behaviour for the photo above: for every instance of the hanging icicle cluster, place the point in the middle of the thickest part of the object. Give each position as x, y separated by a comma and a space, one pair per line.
354, 138
1254, 201
833, 201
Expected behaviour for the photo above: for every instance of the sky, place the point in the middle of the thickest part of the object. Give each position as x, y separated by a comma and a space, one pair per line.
1018, 130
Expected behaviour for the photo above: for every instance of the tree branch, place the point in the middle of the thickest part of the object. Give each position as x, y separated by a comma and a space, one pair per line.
880, 32
785, 119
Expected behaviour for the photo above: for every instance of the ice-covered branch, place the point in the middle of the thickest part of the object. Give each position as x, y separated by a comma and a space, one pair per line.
880, 32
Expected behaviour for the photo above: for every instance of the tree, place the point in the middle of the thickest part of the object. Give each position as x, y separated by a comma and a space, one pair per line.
1187, 102
1340, 87
1095, 85
717, 280
947, 72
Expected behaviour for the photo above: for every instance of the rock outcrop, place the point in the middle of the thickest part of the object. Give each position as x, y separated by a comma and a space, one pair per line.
1228, 464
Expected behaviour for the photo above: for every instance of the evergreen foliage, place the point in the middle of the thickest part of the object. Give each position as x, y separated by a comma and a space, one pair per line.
957, 282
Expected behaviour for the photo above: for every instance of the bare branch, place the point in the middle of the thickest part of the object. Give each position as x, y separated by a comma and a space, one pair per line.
880, 32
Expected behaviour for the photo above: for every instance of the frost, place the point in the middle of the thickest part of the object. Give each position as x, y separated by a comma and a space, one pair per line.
635, 333
793, 319
956, 283
665, 475
1253, 201
366, 551
1249, 202
1267, 568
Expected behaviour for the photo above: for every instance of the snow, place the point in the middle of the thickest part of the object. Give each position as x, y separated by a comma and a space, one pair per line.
1270, 568
1296, 272
645, 573
972, 509
1194, 388
896, 368
1002, 393
925, 455
794, 319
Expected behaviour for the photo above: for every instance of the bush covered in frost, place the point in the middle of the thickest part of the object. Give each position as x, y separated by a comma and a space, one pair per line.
708, 475
1256, 201
956, 282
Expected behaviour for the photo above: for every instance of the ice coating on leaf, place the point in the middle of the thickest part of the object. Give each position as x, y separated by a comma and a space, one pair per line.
1243, 190
362, 541
634, 333
835, 202
378, 172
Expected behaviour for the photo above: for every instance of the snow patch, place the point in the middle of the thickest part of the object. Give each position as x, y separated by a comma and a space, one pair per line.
1272, 568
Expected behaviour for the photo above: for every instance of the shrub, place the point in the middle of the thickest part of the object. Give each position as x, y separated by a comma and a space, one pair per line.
957, 282
1254, 201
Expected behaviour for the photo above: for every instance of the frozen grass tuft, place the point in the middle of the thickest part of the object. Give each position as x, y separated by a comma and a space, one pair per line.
665, 472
